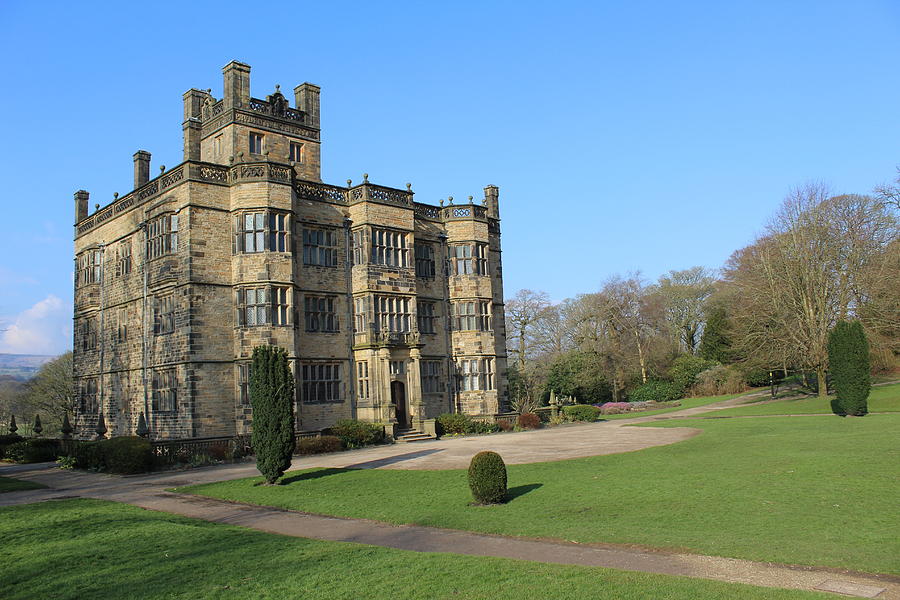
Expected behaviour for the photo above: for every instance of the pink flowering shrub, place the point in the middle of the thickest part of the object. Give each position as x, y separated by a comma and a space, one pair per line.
615, 408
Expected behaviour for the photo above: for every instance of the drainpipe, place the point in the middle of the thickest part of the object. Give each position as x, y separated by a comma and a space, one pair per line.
143, 227
445, 288
348, 273
101, 330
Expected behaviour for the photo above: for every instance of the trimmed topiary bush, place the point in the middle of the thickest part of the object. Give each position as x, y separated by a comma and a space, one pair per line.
8, 440
356, 434
320, 445
848, 358
272, 398
528, 421
454, 423
89, 456
655, 391
581, 412
127, 455
487, 478
33, 450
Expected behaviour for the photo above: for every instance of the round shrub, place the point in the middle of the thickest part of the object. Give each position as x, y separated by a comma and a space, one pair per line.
320, 445
127, 455
487, 478
450, 423
356, 434
528, 421
684, 371
655, 391
581, 412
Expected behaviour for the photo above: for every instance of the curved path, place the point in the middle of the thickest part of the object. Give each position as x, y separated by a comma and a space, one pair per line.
149, 491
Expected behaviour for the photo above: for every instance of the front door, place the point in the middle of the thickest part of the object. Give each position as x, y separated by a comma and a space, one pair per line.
398, 399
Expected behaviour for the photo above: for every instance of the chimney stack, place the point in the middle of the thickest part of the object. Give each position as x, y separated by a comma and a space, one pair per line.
306, 97
141, 168
193, 124
81, 205
492, 201
237, 84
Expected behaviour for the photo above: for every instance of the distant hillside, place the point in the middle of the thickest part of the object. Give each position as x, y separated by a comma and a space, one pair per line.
22, 366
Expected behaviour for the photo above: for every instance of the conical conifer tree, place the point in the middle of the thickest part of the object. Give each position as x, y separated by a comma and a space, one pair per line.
38, 428
848, 360
12, 424
272, 399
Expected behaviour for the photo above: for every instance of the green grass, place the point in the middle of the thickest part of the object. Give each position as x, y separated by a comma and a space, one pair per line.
8, 484
811, 491
92, 549
685, 403
882, 399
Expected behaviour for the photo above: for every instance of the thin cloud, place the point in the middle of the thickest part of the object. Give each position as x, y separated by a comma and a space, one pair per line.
45, 328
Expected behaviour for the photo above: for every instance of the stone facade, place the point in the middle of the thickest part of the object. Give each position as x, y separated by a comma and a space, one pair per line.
391, 310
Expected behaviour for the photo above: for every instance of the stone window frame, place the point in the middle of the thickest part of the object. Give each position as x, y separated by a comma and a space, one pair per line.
425, 264
392, 314
430, 372
320, 382
472, 315
256, 142
88, 267
360, 314
121, 325
162, 235
320, 313
123, 258
243, 382
359, 238
475, 374
266, 230
426, 316
469, 258
164, 314
270, 301
87, 401
164, 390
397, 367
390, 248
296, 151
320, 246
362, 380
89, 334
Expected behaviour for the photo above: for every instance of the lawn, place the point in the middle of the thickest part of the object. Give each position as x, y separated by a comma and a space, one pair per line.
8, 484
882, 399
93, 549
812, 491
685, 403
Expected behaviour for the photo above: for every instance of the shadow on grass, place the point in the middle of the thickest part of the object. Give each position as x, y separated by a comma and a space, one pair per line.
521, 490
317, 474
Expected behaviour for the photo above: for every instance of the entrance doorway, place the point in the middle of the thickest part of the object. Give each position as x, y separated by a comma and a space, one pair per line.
398, 399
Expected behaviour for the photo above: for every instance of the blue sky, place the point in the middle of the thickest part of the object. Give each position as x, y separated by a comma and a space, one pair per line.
624, 136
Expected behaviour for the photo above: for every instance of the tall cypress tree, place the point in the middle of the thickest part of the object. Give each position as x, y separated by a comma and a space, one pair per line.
272, 399
715, 344
848, 358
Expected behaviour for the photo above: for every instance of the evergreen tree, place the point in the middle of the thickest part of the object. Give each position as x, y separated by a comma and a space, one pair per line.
716, 342
272, 398
848, 358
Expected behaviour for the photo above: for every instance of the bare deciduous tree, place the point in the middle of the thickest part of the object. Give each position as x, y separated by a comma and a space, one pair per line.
684, 294
808, 271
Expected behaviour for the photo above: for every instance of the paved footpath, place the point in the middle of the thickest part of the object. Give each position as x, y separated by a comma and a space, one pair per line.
149, 491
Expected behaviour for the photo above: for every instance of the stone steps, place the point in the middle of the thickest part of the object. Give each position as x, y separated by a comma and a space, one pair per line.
412, 435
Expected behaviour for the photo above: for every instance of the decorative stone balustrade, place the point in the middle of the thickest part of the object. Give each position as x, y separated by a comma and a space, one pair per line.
368, 192
384, 339
464, 211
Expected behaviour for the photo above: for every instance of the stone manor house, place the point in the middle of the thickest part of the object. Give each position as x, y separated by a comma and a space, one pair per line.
391, 310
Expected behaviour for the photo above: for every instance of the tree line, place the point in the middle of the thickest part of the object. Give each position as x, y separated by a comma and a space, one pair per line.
821, 259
